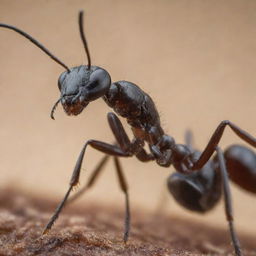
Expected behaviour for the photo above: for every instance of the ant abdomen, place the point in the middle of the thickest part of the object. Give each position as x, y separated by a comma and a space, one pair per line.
241, 166
197, 191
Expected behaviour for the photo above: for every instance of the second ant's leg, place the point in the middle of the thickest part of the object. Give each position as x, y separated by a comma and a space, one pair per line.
228, 201
124, 188
215, 139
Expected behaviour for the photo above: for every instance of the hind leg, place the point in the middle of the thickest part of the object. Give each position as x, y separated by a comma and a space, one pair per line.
228, 201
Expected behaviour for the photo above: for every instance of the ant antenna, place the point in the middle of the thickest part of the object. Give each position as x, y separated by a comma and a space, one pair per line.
35, 42
54, 107
81, 29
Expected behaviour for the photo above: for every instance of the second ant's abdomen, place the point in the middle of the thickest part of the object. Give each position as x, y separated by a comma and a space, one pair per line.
241, 165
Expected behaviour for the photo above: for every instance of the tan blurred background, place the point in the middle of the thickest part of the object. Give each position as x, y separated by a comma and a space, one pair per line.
197, 59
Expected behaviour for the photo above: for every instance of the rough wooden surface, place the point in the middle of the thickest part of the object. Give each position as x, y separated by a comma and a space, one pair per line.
98, 231
196, 59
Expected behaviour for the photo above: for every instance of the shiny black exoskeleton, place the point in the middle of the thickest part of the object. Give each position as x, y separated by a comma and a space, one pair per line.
81, 85
200, 178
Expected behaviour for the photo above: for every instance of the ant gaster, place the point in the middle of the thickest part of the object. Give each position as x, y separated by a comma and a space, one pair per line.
199, 180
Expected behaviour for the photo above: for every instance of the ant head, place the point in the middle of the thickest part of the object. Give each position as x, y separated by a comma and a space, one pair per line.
82, 85
78, 85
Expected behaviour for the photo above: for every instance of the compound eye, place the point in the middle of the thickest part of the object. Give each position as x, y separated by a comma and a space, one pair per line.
61, 80
98, 85
94, 82
100, 76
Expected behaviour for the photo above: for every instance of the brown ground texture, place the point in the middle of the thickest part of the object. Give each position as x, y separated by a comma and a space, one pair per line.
98, 231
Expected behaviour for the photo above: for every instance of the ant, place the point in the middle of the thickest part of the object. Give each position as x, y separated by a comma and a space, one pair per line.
200, 177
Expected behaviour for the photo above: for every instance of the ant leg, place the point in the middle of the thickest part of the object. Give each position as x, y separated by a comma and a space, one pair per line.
215, 139
124, 188
143, 156
118, 131
124, 142
126, 149
228, 201
94, 176
99, 145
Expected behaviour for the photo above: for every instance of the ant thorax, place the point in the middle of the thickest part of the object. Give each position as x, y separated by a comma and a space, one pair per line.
130, 102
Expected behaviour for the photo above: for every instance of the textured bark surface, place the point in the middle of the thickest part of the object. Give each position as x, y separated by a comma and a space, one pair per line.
97, 231
196, 59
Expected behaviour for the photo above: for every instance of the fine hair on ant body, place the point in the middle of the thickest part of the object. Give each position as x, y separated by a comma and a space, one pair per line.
200, 178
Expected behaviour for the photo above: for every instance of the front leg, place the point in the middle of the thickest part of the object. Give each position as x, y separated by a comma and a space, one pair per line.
125, 148
101, 146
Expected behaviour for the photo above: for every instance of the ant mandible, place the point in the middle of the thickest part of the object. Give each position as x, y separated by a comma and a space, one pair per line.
199, 180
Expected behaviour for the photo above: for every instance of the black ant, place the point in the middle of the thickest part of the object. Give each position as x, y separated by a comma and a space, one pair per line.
199, 179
